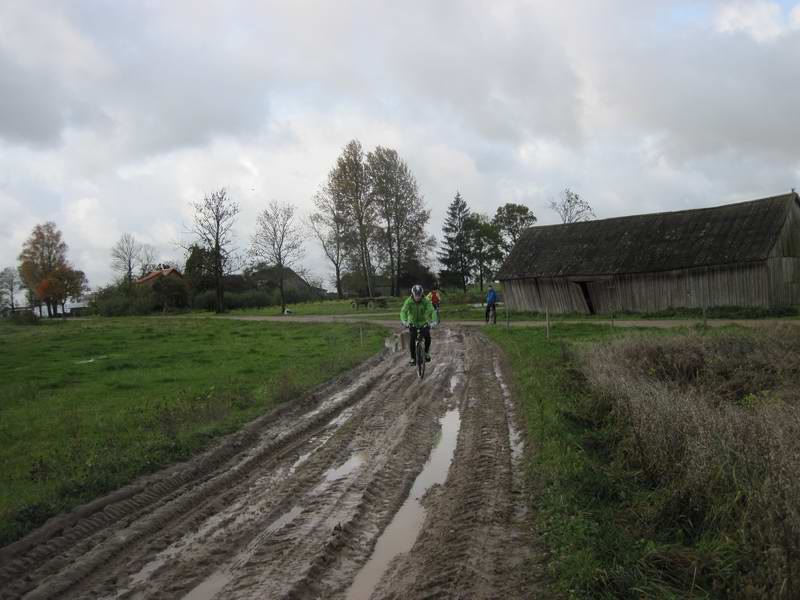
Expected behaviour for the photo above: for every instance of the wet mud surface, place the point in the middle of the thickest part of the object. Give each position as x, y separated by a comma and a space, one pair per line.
377, 485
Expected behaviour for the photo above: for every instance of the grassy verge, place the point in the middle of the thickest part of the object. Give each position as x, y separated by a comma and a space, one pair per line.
86, 406
665, 458
582, 500
324, 307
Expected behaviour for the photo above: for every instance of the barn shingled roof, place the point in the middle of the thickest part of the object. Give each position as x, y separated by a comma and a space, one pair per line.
734, 233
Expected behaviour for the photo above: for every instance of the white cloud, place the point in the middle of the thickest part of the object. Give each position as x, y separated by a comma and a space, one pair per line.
762, 20
115, 116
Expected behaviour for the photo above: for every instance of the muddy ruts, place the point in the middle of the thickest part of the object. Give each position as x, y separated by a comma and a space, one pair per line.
297, 509
26, 565
470, 536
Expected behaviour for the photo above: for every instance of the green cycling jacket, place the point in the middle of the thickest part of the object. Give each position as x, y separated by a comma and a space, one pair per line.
417, 313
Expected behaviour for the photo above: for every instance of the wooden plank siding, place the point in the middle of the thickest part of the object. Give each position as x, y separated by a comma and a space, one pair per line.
744, 254
735, 285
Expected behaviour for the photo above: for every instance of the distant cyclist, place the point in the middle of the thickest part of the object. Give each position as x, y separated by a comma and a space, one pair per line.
417, 314
436, 301
491, 302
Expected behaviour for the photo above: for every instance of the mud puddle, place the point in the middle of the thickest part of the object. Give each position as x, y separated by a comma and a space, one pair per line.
400, 535
514, 434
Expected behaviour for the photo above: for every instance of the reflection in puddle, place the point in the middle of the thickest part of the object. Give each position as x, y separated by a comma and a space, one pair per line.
335, 473
346, 468
402, 532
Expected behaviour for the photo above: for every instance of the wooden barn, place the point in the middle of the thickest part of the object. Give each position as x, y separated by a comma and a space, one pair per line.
745, 254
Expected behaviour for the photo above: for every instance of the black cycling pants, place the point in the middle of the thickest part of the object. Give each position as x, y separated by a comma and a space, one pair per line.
426, 333
489, 308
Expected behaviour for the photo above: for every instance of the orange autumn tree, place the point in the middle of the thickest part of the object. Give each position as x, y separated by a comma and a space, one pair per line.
45, 271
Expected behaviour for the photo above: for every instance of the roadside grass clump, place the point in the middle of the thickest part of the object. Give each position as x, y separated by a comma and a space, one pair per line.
708, 425
86, 406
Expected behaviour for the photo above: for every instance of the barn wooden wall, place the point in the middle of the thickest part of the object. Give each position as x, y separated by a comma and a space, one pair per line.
736, 285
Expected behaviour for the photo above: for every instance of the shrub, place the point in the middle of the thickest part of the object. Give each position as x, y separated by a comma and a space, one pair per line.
24, 317
207, 300
120, 300
713, 422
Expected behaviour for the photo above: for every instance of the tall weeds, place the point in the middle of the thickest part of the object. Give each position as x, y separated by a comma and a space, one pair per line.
713, 423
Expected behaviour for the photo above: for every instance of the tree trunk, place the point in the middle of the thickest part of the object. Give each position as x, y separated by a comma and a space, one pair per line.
399, 256
280, 287
339, 282
218, 277
367, 267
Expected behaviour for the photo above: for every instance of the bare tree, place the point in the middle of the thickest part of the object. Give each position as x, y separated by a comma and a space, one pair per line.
400, 208
349, 184
278, 240
572, 208
148, 259
10, 282
126, 256
213, 223
328, 225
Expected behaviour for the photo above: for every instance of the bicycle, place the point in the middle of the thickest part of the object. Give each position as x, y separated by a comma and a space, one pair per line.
419, 352
491, 314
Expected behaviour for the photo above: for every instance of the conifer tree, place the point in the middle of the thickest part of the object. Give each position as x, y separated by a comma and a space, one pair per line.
455, 252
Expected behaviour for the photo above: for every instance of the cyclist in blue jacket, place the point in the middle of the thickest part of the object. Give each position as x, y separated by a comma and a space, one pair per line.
491, 302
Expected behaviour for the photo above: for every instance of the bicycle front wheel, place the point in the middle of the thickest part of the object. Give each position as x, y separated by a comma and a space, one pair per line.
420, 359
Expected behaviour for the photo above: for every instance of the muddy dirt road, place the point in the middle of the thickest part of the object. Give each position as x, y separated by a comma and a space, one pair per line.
375, 486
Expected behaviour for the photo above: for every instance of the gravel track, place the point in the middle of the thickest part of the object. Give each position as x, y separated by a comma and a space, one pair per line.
375, 485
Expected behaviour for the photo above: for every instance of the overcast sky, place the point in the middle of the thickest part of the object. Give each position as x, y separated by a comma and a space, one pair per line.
114, 116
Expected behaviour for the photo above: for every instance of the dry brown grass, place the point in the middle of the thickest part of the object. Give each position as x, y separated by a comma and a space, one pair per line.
714, 421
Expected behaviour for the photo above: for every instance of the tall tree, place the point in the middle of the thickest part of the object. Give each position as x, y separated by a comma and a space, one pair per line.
198, 270
400, 209
278, 240
9, 284
66, 284
43, 253
349, 184
455, 249
485, 246
125, 257
148, 259
572, 208
328, 225
511, 220
214, 218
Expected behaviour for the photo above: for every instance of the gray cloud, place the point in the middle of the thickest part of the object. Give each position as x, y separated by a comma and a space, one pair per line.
114, 116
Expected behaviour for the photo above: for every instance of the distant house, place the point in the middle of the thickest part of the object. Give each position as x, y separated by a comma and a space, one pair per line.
265, 277
154, 276
745, 254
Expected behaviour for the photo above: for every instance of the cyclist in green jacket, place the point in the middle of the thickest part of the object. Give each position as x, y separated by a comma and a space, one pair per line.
417, 314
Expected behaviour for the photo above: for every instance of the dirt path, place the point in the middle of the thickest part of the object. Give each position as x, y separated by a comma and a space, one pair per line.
394, 323
377, 485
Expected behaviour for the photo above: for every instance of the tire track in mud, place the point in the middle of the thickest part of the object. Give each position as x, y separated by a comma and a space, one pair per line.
294, 506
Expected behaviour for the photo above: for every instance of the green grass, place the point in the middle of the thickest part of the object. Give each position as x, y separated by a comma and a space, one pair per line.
324, 307
86, 406
590, 509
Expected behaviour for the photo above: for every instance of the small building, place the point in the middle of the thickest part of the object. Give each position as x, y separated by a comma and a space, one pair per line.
744, 254
154, 276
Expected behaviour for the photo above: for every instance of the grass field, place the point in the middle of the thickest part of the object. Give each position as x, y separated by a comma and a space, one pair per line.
461, 310
324, 307
664, 458
85, 406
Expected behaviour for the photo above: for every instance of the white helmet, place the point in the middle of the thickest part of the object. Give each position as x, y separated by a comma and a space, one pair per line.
416, 291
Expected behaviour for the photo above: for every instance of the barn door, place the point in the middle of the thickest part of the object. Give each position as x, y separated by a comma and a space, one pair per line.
586, 296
